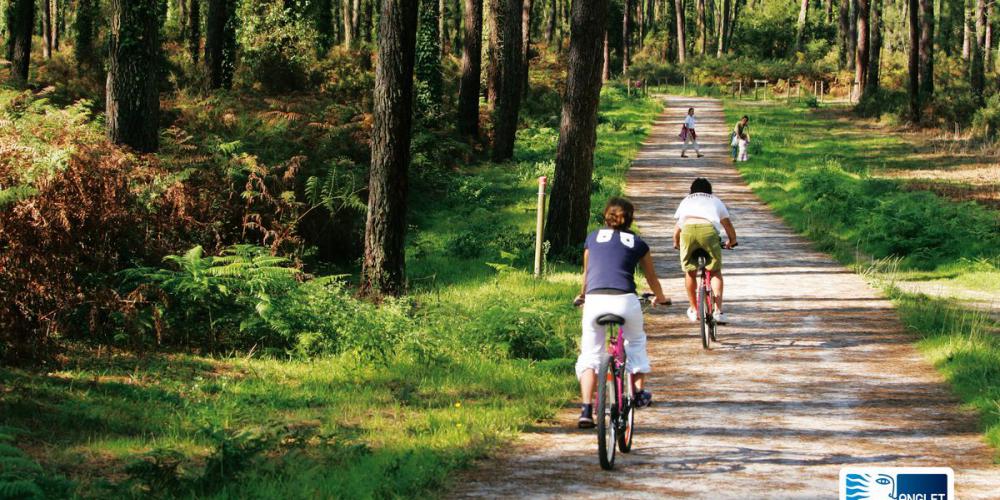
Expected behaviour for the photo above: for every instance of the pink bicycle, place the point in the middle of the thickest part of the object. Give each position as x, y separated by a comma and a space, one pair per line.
615, 393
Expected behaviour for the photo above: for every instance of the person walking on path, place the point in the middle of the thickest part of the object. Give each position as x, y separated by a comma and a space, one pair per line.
688, 135
741, 138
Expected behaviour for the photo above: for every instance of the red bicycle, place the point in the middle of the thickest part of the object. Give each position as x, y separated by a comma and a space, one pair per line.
706, 299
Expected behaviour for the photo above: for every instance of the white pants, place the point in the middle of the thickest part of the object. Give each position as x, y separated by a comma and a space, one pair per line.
592, 343
743, 150
689, 140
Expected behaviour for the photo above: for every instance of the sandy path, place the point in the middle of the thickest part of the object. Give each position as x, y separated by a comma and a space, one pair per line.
813, 373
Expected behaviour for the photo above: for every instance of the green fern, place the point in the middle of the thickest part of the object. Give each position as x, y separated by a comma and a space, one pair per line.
338, 190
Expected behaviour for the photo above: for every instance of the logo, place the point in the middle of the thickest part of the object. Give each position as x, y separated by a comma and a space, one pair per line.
897, 483
628, 240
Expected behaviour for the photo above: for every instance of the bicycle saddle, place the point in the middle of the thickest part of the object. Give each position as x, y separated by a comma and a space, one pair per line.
605, 319
701, 257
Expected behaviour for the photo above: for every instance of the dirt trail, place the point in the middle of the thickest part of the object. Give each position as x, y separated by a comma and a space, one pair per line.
813, 373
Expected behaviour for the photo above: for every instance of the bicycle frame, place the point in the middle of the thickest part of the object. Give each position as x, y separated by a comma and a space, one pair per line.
617, 350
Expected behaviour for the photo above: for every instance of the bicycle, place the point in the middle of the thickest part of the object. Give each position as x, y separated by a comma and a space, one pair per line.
615, 410
706, 299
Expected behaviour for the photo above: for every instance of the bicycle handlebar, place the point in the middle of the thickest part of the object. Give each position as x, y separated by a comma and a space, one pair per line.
645, 298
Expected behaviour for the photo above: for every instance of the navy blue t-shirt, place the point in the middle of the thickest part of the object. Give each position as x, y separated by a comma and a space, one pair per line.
613, 257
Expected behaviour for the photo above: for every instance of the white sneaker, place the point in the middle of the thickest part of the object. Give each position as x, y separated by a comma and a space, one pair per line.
693, 314
719, 317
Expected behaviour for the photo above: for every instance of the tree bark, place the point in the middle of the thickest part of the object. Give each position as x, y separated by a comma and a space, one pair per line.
861, 54
640, 18
800, 29
733, 22
988, 48
194, 29
702, 42
507, 63
966, 31
47, 29
875, 51
626, 36
220, 43
723, 27
550, 28
383, 270
977, 71
133, 101
346, 18
57, 20
914, 60
681, 29
606, 70
83, 28
20, 25
443, 27
525, 43
927, 47
468, 91
356, 20
569, 209
844, 19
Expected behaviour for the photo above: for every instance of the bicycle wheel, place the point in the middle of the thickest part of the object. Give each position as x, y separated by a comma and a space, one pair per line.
627, 427
606, 415
703, 313
712, 325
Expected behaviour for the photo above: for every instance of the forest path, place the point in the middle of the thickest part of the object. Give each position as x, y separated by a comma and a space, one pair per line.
813, 373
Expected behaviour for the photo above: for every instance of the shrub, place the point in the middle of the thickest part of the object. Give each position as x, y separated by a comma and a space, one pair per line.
278, 46
882, 101
986, 121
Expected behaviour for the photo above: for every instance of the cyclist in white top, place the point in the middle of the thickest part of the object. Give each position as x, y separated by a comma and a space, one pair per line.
701, 218
688, 135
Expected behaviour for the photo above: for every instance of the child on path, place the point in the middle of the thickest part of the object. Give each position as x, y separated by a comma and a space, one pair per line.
741, 138
688, 135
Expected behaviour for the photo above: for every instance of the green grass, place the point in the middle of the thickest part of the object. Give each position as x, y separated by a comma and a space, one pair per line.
490, 352
819, 171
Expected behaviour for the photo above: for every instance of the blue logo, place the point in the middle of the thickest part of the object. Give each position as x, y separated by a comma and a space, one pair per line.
897, 483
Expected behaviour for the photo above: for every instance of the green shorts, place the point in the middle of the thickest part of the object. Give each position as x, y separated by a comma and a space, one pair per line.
705, 237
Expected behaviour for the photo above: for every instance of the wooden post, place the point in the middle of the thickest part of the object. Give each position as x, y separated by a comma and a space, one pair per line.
685, 84
539, 226
822, 86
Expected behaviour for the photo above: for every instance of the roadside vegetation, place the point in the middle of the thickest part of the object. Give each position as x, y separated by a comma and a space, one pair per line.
823, 171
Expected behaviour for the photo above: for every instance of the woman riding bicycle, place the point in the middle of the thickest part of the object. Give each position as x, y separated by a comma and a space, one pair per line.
609, 261
701, 217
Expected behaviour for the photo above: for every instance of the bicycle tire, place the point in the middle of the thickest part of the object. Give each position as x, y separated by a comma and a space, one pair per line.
712, 325
605, 415
703, 314
628, 430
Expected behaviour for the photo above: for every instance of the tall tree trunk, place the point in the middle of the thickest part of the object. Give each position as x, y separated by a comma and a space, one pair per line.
525, 43
356, 19
702, 41
967, 30
988, 48
383, 270
550, 28
220, 43
569, 210
844, 30
347, 17
194, 29
83, 29
977, 71
681, 29
133, 100
323, 21
875, 51
861, 54
914, 60
468, 90
640, 17
626, 36
852, 37
443, 27
57, 21
47, 29
20, 26
427, 68
507, 61
366, 28
723, 26
606, 69
927, 47
734, 22
800, 29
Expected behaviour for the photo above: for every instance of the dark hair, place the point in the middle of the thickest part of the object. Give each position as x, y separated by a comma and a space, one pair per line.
690, 110
701, 185
618, 213
745, 117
